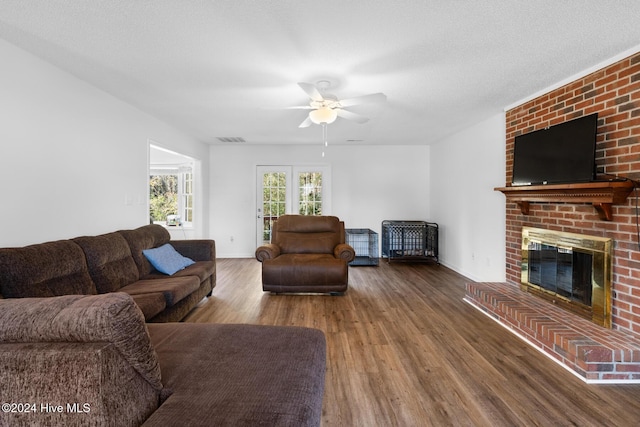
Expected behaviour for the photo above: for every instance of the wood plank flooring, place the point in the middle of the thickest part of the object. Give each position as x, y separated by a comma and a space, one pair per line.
403, 349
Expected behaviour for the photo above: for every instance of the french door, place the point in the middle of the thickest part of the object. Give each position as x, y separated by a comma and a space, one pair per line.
288, 189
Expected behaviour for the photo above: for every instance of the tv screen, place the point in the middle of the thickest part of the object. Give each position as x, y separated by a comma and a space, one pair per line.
558, 154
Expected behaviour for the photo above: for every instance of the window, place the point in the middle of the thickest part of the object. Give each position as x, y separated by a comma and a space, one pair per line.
171, 188
186, 207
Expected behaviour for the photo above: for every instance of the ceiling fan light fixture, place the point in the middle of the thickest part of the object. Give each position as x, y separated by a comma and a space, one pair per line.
323, 115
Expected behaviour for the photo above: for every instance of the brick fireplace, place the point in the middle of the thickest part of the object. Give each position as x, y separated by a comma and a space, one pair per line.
592, 351
614, 93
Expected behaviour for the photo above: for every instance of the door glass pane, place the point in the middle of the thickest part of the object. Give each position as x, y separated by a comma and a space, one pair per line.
310, 193
273, 200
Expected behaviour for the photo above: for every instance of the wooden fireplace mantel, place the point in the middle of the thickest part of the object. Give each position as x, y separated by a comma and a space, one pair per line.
601, 194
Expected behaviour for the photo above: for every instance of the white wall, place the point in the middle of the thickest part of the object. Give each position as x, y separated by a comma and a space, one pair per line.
465, 168
370, 184
73, 159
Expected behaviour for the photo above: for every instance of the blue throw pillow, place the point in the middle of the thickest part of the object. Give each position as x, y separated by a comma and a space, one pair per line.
166, 259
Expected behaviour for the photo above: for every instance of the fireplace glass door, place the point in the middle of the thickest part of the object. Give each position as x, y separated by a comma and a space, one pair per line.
565, 272
572, 271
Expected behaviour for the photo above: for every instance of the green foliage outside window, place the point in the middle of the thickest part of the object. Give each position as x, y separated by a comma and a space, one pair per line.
163, 196
274, 198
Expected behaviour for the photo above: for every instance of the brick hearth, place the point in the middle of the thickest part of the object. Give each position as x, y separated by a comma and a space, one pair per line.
593, 353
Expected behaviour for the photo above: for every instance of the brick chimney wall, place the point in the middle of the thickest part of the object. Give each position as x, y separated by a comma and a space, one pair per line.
614, 93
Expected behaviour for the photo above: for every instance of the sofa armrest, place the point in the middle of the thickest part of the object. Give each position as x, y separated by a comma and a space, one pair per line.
345, 252
86, 384
268, 251
114, 318
196, 249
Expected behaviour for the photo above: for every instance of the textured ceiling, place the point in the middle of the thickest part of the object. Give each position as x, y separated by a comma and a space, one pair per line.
228, 68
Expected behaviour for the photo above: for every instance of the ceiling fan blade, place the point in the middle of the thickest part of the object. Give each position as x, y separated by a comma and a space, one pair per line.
299, 107
364, 99
306, 123
351, 116
312, 91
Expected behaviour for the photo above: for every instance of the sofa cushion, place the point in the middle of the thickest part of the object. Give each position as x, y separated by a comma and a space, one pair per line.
196, 249
174, 289
93, 376
309, 224
112, 318
111, 265
201, 269
166, 259
301, 243
145, 237
240, 375
150, 304
307, 234
44, 270
300, 270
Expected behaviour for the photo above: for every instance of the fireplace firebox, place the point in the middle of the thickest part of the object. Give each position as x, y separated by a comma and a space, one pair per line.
570, 270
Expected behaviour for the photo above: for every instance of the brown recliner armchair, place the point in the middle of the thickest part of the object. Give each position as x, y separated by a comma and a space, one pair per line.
306, 254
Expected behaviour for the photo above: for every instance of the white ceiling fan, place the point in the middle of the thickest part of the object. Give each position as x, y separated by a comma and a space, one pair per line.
327, 107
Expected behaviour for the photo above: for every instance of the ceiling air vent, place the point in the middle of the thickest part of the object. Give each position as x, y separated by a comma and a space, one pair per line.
231, 139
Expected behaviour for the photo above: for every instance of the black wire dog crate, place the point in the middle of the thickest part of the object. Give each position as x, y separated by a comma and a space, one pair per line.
365, 243
410, 240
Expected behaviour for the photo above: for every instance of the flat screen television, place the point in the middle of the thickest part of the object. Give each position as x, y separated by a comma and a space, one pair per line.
562, 153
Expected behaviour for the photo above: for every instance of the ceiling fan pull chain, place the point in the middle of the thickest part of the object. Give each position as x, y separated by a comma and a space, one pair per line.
324, 136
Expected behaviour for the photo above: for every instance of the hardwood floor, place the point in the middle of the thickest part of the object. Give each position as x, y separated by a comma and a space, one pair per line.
403, 349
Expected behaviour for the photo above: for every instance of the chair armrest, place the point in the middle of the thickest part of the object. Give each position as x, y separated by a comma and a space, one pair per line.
268, 251
197, 250
345, 252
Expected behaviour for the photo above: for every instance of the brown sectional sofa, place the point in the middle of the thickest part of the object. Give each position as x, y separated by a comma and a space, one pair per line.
91, 360
112, 262
80, 343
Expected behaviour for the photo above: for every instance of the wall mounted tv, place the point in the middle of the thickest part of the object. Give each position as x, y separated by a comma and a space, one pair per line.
562, 153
